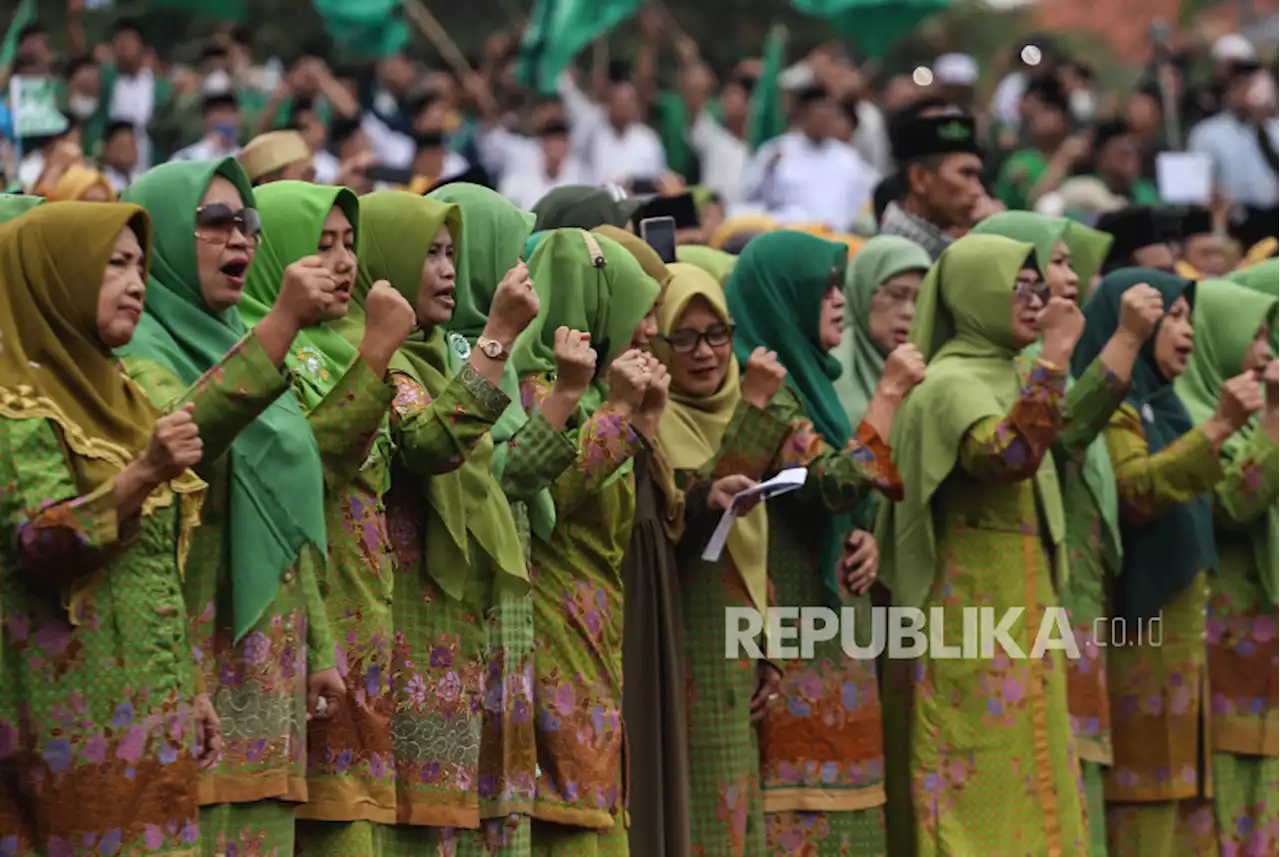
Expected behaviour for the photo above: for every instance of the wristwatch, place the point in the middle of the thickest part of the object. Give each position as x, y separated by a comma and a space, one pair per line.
492, 348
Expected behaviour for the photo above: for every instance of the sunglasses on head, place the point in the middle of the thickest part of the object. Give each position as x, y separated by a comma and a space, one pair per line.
687, 341
216, 221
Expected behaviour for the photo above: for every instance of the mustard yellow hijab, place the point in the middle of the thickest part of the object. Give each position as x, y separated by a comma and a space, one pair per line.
78, 181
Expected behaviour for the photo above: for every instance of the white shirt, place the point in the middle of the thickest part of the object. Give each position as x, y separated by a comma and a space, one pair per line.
610, 156
529, 182
327, 167
796, 179
203, 150
723, 157
133, 99
392, 148
1239, 167
119, 179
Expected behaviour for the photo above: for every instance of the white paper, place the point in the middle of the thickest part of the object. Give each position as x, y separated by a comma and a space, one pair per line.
784, 483
1184, 178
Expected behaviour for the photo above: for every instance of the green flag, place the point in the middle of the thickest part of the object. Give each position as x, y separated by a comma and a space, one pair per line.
23, 16
558, 30
370, 28
874, 25
767, 117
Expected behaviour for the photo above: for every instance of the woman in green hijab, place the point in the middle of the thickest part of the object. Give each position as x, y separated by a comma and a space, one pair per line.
1263, 277
346, 396
1241, 622
582, 207
1166, 468
981, 525
529, 453
821, 757
586, 283
717, 263
269, 657
449, 522
1068, 255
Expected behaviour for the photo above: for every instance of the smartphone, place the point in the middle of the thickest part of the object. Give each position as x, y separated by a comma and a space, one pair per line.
660, 234
644, 187
388, 175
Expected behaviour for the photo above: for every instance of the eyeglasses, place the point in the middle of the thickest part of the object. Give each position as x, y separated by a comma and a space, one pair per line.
688, 341
1038, 289
215, 223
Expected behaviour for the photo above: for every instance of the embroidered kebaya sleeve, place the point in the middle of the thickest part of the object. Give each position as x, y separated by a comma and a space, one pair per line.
603, 444
346, 421
1011, 448
1249, 487
751, 443
1149, 484
436, 436
838, 479
227, 398
536, 456
1090, 402
59, 536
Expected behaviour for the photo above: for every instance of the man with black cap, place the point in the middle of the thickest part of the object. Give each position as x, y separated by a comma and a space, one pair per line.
940, 170
1202, 250
1141, 238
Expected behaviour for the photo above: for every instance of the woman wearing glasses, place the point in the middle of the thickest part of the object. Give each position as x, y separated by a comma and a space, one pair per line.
257, 623
982, 754
1168, 470
822, 761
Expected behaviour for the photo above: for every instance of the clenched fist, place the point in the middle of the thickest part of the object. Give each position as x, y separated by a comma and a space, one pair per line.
629, 377
389, 317
175, 445
1061, 325
903, 370
307, 291
515, 304
1240, 399
575, 360
762, 377
1141, 309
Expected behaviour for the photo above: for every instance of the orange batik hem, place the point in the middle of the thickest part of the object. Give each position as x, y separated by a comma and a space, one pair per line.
243, 787
1247, 736
334, 801
437, 815
823, 800
593, 819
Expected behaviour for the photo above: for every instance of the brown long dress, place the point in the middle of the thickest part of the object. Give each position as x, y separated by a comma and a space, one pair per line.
653, 699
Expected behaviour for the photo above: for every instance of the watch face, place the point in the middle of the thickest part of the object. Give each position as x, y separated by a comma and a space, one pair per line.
492, 348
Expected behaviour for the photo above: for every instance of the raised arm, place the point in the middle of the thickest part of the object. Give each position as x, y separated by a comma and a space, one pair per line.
1010, 448
436, 435
347, 421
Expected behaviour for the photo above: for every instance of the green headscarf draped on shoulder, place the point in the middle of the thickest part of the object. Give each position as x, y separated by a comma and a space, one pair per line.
775, 297
1227, 318
1263, 277
293, 215
588, 283
493, 237
861, 360
1088, 247
276, 504
1161, 557
582, 207
397, 229
13, 205
717, 263
963, 328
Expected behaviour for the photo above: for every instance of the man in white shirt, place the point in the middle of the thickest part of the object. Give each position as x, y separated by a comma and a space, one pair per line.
221, 119
806, 174
549, 166
722, 148
119, 157
1242, 140
613, 143
133, 89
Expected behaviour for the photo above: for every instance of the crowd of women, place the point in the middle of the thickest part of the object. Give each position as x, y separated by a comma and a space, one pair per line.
336, 523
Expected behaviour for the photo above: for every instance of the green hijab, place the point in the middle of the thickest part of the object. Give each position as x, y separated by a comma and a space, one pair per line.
775, 297
13, 205
396, 231
1262, 277
582, 207
717, 263
276, 503
963, 328
493, 237
861, 360
589, 283
293, 216
1088, 247
1161, 557
1226, 320
531, 243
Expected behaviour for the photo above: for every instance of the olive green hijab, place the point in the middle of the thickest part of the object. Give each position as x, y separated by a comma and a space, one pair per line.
1226, 318
493, 236
963, 328
396, 232
293, 215
588, 283
1088, 247
1263, 278
861, 361
717, 263
276, 503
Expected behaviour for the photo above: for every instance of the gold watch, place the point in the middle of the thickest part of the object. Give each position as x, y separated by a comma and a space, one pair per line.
492, 348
